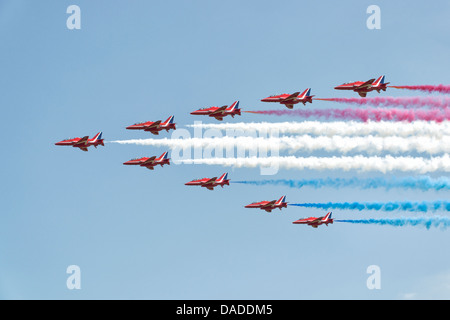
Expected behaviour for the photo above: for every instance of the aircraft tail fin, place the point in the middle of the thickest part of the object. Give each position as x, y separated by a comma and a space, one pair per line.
379, 81
98, 136
282, 199
168, 121
305, 93
234, 106
164, 156
223, 177
327, 217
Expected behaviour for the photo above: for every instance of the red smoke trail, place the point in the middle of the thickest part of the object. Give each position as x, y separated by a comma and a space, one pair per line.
365, 114
416, 102
427, 88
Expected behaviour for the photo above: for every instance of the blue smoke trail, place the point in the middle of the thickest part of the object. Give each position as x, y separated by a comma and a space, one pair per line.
423, 183
426, 222
423, 206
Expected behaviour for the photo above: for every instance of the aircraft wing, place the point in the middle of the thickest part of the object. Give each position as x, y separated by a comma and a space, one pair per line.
149, 160
82, 141
268, 205
153, 125
314, 222
210, 181
292, 96
366, 84
84, 148
219, 111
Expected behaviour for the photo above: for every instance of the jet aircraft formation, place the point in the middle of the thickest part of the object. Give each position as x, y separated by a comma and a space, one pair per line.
219, 113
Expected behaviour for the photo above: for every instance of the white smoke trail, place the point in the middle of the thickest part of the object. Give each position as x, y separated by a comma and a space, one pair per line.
224, 142
361, 163
340, 128
306, 143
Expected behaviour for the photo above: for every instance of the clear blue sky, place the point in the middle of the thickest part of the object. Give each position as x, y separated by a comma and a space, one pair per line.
141, 234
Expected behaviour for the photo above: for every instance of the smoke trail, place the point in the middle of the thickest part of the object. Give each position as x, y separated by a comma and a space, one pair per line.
339, 128
426, 88
369, 144
415, 102
423, 183
426, 222
409, 206
190, 142
365, 114
306, 143
244, 142
381, 164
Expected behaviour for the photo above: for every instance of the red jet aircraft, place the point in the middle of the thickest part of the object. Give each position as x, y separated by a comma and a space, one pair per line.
151, 162
269, 205
290, 99
363, 87
83, 143
210, 183
315, 222
220, 113
154, 127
